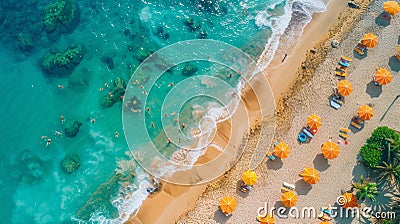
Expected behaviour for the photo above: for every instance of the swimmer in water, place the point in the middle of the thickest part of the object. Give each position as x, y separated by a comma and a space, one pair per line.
106, 85
101, 89
58, 133
152, 124
60, 86
93, 120
116, 134
183, 125
43, 137
171, 84
62, 119
48, 142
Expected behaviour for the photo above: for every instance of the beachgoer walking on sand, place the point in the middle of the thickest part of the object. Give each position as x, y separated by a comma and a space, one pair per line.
284, 58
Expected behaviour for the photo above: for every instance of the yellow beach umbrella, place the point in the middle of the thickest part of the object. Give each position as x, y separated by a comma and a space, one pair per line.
310, 175
268, 219
383, 76
289, 199
345, 88
330, 150
227, 204
314, 121
370, 40
391, 7
282, 150
348, 200
365, 112
249, 177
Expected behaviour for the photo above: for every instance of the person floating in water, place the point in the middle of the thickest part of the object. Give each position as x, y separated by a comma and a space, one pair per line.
61, 86
152, 124
230, 75
62, 119
48, 142
93, 120
183, 125
171, 84
116, 134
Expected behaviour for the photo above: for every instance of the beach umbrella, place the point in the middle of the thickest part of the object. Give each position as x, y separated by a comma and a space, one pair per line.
370, 40
227, 204
289, 199
391, 7
330, 150
310, 175
348, 200
383, 76
249, 177
365, 112
268, 219
324, 223
282, 150
344, 88
314, 121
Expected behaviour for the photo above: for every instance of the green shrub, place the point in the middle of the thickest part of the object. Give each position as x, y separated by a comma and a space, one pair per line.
380, 137
371, 155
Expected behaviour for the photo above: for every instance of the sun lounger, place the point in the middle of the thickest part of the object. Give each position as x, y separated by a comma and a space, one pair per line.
345, 61
327, 211
356, 125
341, 74
325, 218
360, 49
285, 189
335, 105
338, 100
308, 133
271, 156
345, 130
344, 136
289, 186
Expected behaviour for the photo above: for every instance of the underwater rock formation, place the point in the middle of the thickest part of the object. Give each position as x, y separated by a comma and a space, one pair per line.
72, 131
32, 168
160, 33
108, 61
116, 93
142, 54
202, 34
25, 41
62, 64
60, 17
192, 25
70, 163
189, 69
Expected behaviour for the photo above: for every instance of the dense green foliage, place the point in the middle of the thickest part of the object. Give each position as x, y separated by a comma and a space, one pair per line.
371, 155
366, 189
381, 136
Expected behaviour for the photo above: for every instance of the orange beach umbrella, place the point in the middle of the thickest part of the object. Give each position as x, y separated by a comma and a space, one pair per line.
249, 177
370, 40
289, 199
227, 204
310, 175
330, 150
314, 121
268, 219
383, 76
282, 150
391, 7
345, 87
365, 112
348, 200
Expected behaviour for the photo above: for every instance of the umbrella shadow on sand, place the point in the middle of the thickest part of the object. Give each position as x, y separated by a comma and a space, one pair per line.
394, 64
239, 191
320, 162
275, 164
383, 19
220, 217
373, 90
302, 188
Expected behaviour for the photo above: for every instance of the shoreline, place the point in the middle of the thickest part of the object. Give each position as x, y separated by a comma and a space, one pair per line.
171, 207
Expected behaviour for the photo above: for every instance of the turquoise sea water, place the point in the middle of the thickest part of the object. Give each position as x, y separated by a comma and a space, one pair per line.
33, 186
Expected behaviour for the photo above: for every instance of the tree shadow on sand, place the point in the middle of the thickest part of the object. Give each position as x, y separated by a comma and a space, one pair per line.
358, 171
275, 164
383, 19
373, 90
302, 188
220, 217
394, 64
320, 162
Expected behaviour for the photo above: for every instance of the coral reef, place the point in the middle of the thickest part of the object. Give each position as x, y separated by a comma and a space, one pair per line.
189, 69
62, 64
116, 93
70, 163
32, 169
25, 41
60, 17
72, 131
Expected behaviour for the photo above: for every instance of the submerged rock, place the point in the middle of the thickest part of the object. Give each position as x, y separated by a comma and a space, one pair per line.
142, 54
32, 168
192, 25
70, 163
60, 17
72, 131
189, 69
116, 93
25, 41
62, 64
202, 34
108, 61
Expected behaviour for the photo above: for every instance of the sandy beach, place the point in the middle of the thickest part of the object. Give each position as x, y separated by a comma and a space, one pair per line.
301, 86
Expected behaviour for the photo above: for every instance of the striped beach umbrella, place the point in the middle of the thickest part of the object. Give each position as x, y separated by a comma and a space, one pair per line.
383, 76
249, 177
370, 40
282, 150
391, 7
345, 88
365, 112
330, 150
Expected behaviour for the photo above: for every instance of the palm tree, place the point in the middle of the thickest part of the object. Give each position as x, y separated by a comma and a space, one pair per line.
389, 173
395, 143
366, 190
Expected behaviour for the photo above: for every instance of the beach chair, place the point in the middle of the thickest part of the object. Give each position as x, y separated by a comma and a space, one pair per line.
398, 53
244, 187
327, 211
335, 105
308, 133
326, 218
357, 122
345, 130
271, 156
288, 186
345, 61
344, 136
360, 49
